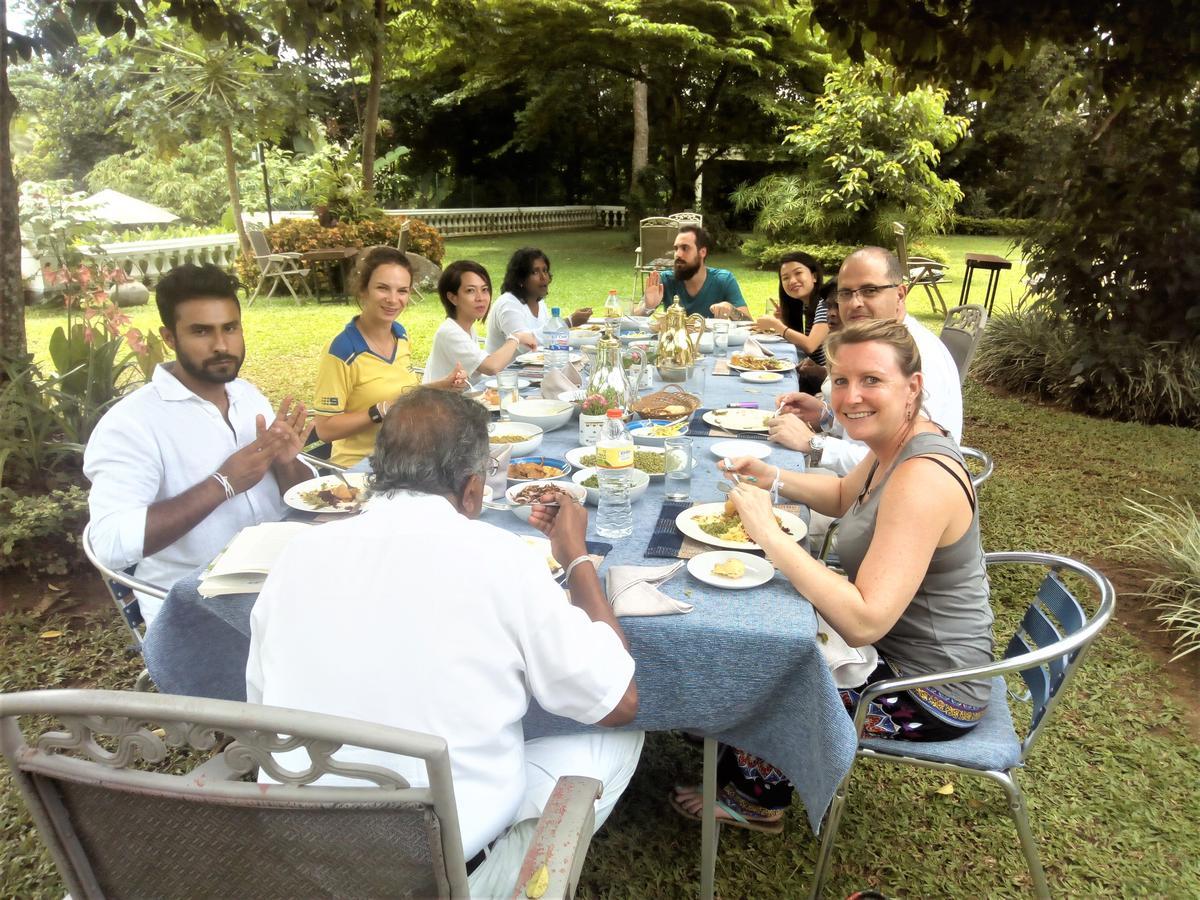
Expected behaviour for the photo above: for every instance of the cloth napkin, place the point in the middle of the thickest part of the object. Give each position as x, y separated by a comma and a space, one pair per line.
754, 348
848, 665
556, 381
633, 590
499, 482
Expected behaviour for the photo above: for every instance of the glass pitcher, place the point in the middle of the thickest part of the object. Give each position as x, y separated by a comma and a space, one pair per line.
609, 378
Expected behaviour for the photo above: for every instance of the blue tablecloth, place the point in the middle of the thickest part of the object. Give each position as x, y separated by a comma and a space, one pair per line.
743, 667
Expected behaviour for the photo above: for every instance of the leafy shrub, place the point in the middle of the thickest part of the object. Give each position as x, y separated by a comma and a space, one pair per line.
1117, 376
830, 256
40, 534
1167, 535
301, 235
1004, 227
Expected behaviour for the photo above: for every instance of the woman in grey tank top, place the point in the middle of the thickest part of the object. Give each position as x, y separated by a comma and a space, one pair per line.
915, 584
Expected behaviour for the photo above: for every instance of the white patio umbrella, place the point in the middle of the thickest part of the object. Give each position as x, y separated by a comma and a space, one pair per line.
121, 209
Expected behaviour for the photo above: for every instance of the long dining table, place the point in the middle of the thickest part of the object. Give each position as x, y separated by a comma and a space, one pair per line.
744, 667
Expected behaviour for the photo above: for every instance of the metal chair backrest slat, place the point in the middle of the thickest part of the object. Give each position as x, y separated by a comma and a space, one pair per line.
1062, 603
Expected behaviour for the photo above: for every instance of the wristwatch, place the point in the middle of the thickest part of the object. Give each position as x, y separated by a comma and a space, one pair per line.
816, 445
374, 413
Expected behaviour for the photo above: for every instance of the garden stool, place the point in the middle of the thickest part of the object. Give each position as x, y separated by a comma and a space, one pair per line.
994, 266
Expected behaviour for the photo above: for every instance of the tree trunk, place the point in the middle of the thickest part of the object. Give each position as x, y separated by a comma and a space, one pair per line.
12, 293
371, 116
641, 133
235, 195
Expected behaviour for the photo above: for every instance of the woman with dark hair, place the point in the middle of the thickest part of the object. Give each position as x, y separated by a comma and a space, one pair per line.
369, 364
521, 305
800, 312
465, 290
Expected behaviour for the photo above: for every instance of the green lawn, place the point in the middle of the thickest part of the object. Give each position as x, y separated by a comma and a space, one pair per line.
1114, 788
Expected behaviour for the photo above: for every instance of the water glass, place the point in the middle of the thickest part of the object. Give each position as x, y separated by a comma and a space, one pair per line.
694, 384
720, 332
506, 387
677, 463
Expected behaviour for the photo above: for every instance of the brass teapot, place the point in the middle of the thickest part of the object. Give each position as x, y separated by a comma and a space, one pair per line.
609, 378
678, 343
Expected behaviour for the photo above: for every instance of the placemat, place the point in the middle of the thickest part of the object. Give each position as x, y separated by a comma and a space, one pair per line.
668, 542
697, 427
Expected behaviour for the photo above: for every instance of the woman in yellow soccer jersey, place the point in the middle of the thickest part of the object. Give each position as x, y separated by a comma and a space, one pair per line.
369, 364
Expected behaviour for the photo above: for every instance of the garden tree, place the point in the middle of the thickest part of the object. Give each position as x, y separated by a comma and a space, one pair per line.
714, 71
1115, 248
868, 156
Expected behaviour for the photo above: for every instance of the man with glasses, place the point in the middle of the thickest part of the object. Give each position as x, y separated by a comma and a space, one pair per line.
870, 286
447, 625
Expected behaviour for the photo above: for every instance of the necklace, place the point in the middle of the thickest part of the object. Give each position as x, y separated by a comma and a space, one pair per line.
385, 348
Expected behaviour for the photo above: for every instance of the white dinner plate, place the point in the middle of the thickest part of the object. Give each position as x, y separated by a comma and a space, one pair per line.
739, 419
734, 448
779, 365
758, 570
538, 358
686, 523
761, 377
294, 499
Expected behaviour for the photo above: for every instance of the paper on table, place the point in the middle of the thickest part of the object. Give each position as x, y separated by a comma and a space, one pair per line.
243, 565
848, 665
633, 591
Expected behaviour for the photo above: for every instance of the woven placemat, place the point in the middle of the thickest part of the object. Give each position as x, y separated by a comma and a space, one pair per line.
668, 542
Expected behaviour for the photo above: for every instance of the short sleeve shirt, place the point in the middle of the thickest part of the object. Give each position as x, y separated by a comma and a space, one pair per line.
352, 377
452, 345
509, 315
719, 287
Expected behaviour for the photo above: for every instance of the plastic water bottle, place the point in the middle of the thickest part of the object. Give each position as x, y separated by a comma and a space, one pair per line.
613, 312
557, 338
614, 466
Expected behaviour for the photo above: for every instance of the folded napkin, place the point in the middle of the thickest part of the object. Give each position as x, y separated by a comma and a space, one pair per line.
499, 482
848, 665
754, 348
556, 381
633, 590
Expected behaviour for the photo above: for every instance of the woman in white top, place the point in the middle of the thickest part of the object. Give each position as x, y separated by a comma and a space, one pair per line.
465, 290
521, 306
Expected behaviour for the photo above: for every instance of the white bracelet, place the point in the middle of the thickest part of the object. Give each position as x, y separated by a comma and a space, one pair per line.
226, 484
573, 563
776, 484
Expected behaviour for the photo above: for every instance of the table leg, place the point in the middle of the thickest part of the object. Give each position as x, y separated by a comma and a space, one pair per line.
992, 286
964, 297
710, 829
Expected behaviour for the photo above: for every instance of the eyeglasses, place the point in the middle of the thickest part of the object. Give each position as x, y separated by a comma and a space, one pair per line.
867, 292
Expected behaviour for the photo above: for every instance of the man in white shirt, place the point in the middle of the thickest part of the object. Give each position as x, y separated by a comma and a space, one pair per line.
870, 286
414, 614
183, 463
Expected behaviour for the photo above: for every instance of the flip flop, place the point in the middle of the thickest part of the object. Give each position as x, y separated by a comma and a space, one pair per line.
736, 818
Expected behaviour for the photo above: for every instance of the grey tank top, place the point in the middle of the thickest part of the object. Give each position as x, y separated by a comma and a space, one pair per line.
948, 624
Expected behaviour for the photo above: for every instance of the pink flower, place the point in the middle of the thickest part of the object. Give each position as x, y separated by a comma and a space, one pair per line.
137, 343
89, 335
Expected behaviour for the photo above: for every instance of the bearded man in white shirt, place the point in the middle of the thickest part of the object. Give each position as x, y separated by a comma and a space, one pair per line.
186, 461
870, 285
447, 625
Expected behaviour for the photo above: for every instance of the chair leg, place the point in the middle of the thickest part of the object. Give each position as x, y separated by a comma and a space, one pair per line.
833, 819
710, 828
143, 682
1020, 816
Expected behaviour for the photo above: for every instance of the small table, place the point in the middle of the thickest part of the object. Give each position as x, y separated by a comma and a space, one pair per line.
994, 265
342, 259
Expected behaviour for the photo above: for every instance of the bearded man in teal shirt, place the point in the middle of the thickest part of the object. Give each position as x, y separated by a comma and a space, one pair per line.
713, 293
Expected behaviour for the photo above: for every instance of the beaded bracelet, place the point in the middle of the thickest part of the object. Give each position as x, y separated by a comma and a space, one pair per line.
225, 483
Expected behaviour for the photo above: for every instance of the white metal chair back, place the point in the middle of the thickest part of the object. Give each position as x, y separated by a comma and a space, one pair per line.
961, 333
688, 218
1046, 651
656, 246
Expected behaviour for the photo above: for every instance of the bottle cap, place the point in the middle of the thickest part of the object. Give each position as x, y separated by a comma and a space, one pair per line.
615, 413
554, 311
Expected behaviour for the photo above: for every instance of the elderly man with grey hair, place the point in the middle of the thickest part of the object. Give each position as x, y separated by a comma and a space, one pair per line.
870, 285
414, 614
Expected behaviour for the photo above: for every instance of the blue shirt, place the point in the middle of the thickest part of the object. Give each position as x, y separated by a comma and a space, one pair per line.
719, 287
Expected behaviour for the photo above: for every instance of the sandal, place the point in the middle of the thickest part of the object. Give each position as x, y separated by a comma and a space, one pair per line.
729, 803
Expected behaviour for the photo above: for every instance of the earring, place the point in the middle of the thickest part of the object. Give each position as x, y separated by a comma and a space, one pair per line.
908, 411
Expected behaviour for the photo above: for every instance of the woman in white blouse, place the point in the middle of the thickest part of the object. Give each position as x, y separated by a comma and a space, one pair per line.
465, 290
522, 306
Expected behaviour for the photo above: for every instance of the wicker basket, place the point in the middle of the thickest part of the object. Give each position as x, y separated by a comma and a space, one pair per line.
671, 402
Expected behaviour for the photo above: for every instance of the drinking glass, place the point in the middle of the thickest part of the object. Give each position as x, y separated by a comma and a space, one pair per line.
677, 464
694, 384
506, 387
720, 332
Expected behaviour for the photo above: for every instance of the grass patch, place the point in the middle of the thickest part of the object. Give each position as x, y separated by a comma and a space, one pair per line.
1114, 787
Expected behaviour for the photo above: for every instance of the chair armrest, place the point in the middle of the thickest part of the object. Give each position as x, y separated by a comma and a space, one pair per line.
284, 257
637, 259
562, 837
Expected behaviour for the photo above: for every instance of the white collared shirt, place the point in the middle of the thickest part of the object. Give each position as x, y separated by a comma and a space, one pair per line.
155, 444
414, 616
942, 403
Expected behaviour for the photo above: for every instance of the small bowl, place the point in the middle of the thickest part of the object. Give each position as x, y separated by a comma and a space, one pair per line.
564, 467
522, 511
640, 432
761, 377
532, 433
638, 482
546, 414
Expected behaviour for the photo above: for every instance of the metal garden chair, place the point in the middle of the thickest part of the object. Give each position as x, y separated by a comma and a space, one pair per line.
1046, 650
121, 587
656, 243
687, 218
117, 829
921, 271
278, 268
961, 333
